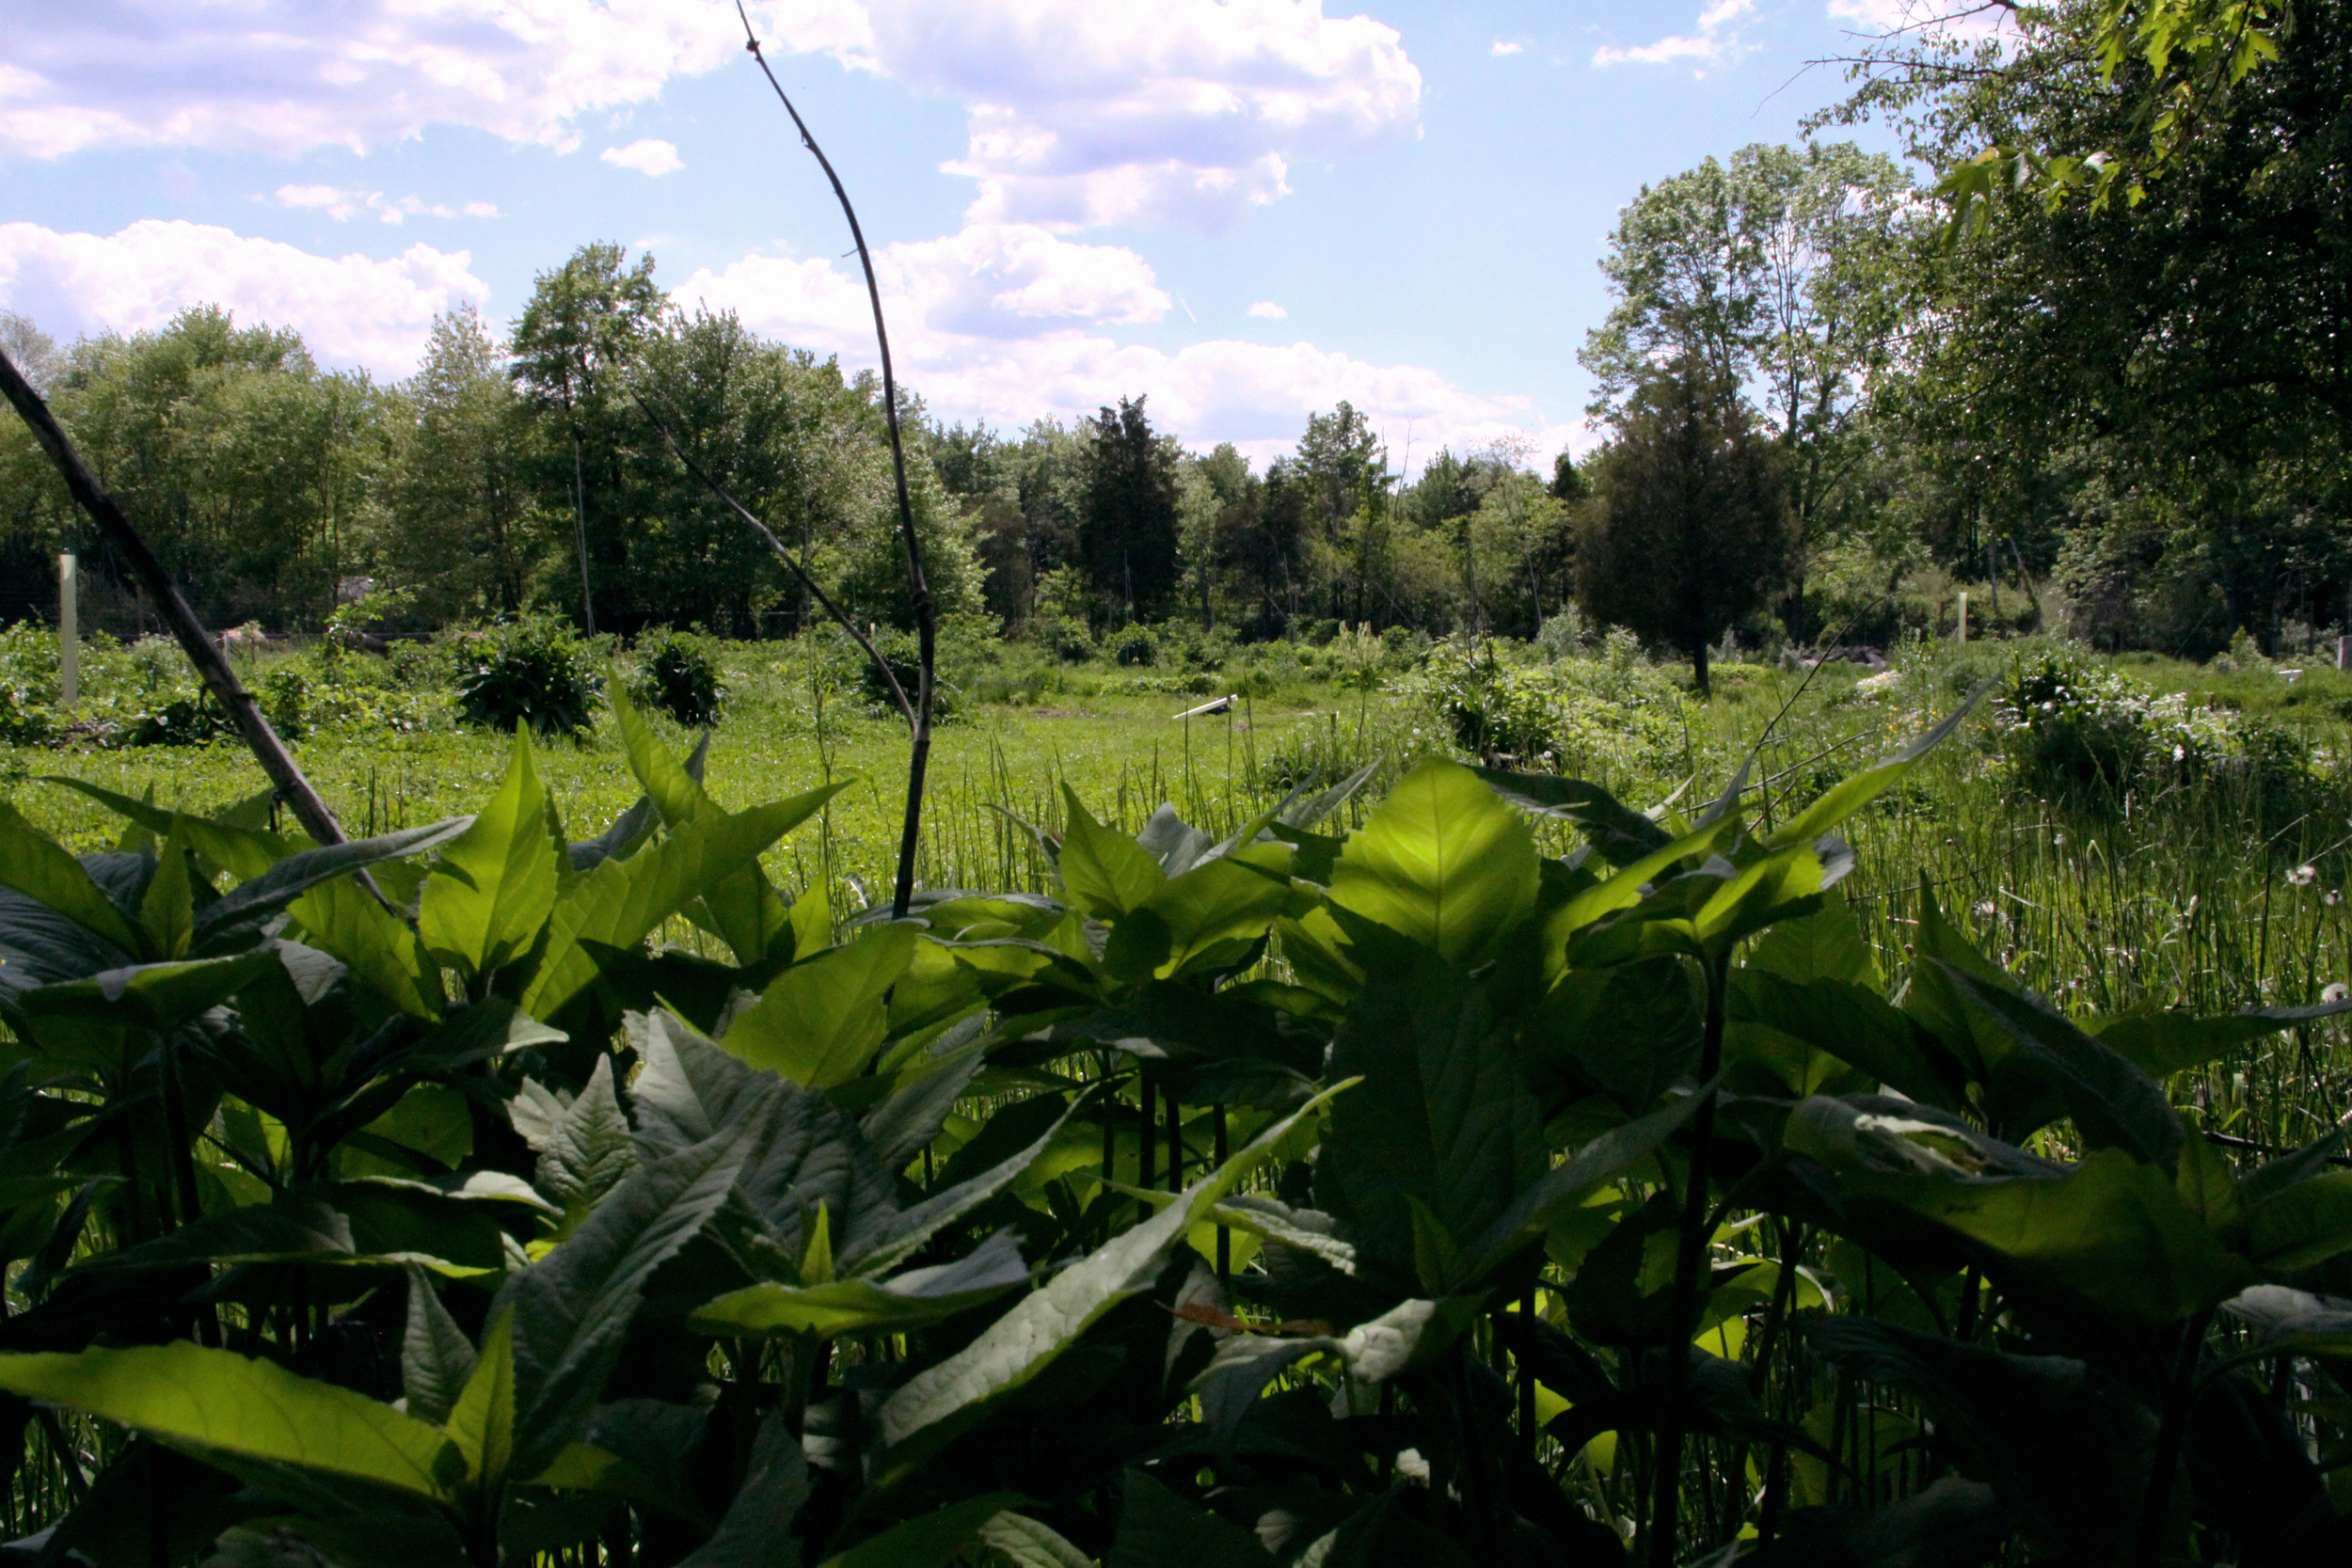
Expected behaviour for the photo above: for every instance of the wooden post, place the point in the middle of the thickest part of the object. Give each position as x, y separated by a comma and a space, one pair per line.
69, 632
2344, 653
1964, 616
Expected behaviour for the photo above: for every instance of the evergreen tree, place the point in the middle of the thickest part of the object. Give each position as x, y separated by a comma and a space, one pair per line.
1130, 532
1694, 535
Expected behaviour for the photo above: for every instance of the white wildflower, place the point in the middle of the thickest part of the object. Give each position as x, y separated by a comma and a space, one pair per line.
2337, 990
2302, 876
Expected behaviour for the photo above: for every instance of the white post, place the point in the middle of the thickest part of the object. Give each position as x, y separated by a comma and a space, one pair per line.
2344, 653
1964, 616
69, 634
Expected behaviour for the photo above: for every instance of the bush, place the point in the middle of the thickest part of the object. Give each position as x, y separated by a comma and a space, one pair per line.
1136, 645
1065, 637
530, 671
28, 683
1574, 714
678, 674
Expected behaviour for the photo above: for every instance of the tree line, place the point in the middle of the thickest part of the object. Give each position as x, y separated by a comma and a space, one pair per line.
1823, 404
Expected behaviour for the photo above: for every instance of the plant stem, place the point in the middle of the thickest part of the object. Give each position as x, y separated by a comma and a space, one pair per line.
2171, 1433
1689, 1255
925, 613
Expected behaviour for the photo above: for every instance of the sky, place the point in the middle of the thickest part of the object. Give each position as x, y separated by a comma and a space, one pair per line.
1244, 210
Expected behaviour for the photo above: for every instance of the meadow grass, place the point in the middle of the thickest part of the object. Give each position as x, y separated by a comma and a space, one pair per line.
2206, 895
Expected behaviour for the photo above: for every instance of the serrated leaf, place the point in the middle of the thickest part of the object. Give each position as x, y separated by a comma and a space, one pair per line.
435, 1358
495, 884
1104, 872
482, 1423
620, 902
915, 1299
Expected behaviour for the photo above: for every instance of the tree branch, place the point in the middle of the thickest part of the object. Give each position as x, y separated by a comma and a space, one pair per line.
212, 667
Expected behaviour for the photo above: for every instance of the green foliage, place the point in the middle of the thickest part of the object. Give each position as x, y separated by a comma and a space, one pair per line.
533, 671
677, 673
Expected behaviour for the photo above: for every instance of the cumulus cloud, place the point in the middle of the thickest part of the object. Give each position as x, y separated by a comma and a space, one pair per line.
1079, 113
282, 76
1501, 48
647, 156
350, 310
1008, 324
342, 205
1716, 39
1265, 309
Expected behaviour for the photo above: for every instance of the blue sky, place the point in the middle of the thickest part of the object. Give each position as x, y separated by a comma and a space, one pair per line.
1245, 209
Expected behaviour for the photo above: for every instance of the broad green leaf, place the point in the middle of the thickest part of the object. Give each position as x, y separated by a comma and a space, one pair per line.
743, 908
2305, 1225
1442, 861
1539, 1205
1030, 1543
620, 902
220, 1400
243, 852
1849, 796
1443, 1119
2293, 1322
435, 1358
1159, 1530
2113, 1102
383, 952
248, 905
154, 997
1104, 872
821, 1020
482, 1423
36, 865
931, 1540
2161, 1044
167, 913
938, 1401
1850, 1022
756, 1532
1631, 883
572, 1309
1618, 834
1223, 904
1824, 946
495, 883
912, 1300
2114, 1231
884, 1244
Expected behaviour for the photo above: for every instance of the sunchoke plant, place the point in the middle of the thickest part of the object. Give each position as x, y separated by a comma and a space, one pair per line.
1402, 1195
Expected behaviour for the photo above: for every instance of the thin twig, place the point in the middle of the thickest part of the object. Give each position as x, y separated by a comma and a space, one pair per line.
897, 692
925, 613
212, 668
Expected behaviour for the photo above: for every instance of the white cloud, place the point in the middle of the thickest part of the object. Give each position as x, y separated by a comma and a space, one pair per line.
1716, 39
1265, 309
342, 205
350, 310
1187, 111
280, 76
1926, 18
647, 156
1006, 324
1500, 48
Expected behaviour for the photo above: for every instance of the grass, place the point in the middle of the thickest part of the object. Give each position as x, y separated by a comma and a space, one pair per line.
2194, 895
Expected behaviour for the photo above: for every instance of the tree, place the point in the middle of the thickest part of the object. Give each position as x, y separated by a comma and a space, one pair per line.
585, 320
457, 494
1781, 272
33, 352
1695, 535
1130, 532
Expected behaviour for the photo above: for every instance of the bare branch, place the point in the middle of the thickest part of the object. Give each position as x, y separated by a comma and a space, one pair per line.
212, 667
897, 692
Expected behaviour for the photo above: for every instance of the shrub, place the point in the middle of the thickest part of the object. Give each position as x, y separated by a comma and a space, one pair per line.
1135, 645
1599, 716
28, 683
1065, 637
530, 670
678, 674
